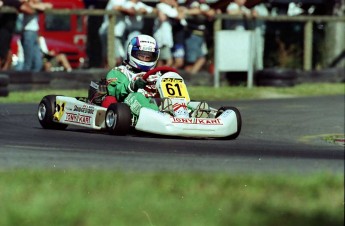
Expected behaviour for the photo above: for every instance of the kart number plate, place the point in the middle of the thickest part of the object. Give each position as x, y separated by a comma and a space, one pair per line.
174, 88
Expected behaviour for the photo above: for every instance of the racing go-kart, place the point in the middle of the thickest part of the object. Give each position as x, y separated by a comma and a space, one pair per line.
57, 112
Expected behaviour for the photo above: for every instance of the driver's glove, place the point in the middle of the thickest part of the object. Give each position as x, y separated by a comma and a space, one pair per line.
153, 78
136, 84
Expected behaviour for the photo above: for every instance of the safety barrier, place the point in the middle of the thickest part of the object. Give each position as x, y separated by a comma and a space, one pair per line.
4, 81
78, 79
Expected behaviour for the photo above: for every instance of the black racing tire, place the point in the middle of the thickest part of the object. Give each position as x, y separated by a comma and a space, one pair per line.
276, 82
4, 80
118, 119
239, 121
4, 91
278, 77
277, 73
46, 111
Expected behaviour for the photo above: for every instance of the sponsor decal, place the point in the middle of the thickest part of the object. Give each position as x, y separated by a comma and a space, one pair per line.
59, 110
215, 121
84, 109
177, 106
133, 103
135, 107
174, 80
146, 41
111, 80
94, 85
147, 48
180, 110
78, 118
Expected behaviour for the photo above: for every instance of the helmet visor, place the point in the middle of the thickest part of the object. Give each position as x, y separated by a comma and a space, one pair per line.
145, 55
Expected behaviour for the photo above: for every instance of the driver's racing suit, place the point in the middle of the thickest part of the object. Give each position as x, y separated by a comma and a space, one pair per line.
118, 82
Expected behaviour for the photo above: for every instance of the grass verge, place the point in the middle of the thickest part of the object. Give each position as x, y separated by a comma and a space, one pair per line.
92, 197
203, 92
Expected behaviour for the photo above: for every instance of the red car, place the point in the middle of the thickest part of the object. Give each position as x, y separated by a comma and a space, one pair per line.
63, 33
75, 56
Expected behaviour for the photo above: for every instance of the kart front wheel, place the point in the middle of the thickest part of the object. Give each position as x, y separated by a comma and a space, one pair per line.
46, 111
239, 121
118, 119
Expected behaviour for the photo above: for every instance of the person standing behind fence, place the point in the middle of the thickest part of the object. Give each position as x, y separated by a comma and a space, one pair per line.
7, 27
93, 41
119, 30
32, 53
179, 32
195, 44
135, 23
237, 8
167, 10
260, 29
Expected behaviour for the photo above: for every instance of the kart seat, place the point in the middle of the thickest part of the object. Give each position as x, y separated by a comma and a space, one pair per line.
108, 100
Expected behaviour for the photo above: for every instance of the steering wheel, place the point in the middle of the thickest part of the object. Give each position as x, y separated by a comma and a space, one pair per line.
163, 69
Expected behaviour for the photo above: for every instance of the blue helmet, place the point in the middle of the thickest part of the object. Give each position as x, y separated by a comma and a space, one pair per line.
142, 45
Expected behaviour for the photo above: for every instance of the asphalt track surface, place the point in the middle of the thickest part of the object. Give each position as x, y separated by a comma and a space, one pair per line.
278, 136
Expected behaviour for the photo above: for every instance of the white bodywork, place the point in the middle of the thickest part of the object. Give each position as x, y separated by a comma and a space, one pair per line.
160, 123
75, 112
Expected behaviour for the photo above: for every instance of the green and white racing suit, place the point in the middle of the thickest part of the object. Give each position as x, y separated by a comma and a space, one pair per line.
118, 85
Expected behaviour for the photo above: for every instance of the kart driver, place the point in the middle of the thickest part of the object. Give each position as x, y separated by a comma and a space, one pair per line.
125, 82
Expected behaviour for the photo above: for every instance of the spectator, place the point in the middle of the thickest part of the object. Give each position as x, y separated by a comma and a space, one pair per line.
93, 44
135, 23
237, 7
178, 29
32, 53
260, 29
167, 11
119, 30
52, 60
18, 63
7, 26
195, 44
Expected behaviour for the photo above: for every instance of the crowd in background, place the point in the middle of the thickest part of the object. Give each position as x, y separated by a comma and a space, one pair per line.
182, 28
182, 42
32, 48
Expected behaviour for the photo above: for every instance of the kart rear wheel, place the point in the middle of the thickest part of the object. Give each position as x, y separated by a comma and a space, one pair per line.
118, 119
46, 111
239, 121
